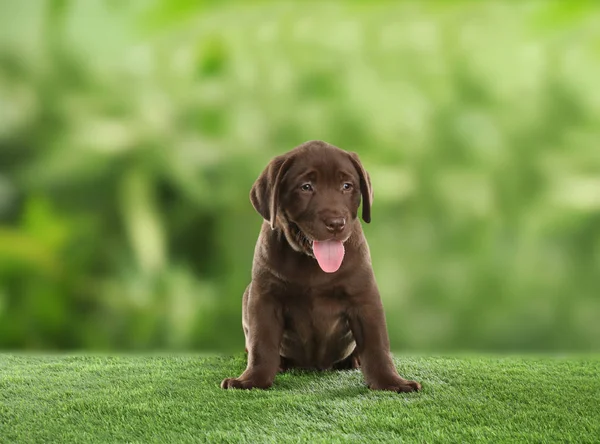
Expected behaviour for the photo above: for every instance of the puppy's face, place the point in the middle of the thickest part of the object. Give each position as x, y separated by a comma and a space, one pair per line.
320, 195
312, 194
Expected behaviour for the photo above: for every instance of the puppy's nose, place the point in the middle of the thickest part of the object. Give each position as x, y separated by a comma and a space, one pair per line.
335, 224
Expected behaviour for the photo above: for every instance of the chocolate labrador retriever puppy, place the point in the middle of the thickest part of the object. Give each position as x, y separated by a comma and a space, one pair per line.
313, 302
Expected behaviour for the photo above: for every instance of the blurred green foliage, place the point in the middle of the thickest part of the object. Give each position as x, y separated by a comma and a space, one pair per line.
131, 132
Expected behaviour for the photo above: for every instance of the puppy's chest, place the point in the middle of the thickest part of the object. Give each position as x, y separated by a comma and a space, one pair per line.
320, 318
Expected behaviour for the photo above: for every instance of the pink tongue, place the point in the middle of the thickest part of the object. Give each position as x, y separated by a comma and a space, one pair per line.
329, 255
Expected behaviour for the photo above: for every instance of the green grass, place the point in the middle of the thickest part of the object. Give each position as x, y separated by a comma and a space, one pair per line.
171, 398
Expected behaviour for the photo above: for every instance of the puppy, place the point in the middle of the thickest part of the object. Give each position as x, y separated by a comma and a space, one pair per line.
313, 302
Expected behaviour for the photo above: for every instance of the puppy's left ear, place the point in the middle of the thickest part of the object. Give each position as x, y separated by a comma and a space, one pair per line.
264, 194
365, 187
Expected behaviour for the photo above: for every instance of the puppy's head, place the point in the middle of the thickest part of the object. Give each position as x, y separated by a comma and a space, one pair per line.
312, 194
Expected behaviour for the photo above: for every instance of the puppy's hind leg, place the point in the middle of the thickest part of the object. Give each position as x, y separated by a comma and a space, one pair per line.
352, 362
284, 364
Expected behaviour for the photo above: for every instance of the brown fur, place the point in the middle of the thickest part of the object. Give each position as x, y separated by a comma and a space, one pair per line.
294, 314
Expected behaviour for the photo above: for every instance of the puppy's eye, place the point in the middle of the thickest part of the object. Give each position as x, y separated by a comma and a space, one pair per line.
306, 187
347, 186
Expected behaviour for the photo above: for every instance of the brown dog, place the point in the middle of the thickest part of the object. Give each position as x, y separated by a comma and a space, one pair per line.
313, 301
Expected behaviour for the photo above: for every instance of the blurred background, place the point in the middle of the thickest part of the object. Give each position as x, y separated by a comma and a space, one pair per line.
132, 131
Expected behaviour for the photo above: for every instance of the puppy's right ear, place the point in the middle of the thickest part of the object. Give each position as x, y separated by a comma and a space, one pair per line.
366, 189
264, 194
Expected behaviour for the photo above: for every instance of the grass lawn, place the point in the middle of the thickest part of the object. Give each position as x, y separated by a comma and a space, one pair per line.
168, 398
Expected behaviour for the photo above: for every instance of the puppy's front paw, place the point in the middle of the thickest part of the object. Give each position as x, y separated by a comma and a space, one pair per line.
233, 383
397, 385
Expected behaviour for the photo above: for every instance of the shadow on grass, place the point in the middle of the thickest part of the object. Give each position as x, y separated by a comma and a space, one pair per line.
330, 383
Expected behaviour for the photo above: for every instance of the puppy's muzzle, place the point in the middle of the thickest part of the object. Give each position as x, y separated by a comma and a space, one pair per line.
335, 224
